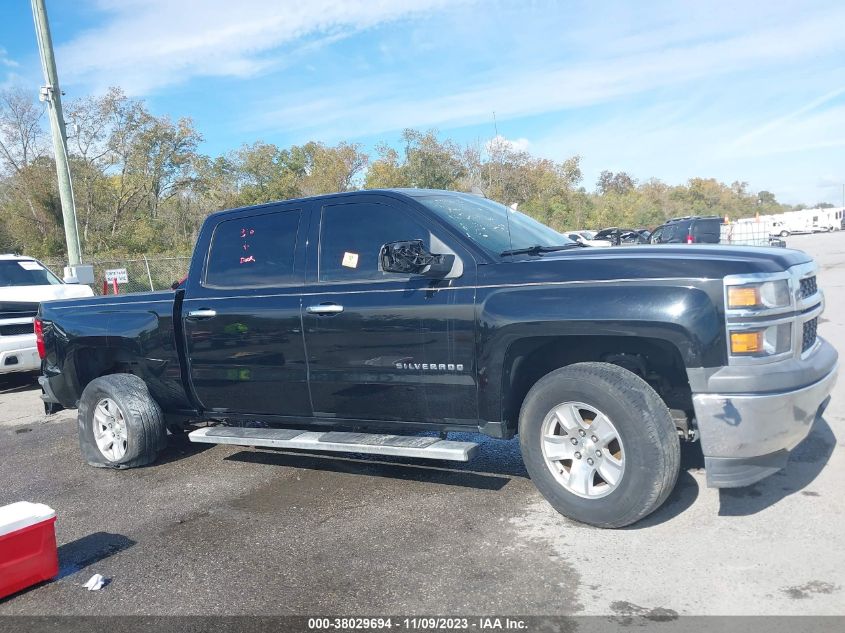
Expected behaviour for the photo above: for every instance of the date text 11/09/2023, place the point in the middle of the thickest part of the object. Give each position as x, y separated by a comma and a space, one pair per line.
481, 623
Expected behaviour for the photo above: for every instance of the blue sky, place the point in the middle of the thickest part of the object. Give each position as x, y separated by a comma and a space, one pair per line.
732, 90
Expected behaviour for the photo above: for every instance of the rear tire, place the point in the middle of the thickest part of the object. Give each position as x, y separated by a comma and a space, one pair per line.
607, 416
120, 425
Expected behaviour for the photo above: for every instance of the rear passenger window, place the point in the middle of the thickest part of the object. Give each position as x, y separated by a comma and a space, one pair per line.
253, 251
708, 231
351, 236
676, 233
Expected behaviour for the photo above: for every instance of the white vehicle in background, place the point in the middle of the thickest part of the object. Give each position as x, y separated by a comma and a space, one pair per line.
24, 283
806, 221
792, 223
827, 220
586, 238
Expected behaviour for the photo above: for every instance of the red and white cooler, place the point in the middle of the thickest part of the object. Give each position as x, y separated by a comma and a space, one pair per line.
27, 546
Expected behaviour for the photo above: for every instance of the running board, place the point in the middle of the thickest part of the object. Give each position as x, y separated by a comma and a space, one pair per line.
339, 442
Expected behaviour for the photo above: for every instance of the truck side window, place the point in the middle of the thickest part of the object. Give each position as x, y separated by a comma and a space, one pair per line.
672, 234
707, 231
351, 236
253, 251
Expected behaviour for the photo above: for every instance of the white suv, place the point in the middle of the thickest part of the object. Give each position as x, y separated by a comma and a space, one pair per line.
24, 283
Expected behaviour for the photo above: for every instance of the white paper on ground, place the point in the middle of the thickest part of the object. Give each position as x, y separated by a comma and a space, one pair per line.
95, 583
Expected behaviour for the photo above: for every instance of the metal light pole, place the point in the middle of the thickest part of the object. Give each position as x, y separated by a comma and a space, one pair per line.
52, 94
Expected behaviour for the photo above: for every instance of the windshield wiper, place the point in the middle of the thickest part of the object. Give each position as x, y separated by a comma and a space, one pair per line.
537, 249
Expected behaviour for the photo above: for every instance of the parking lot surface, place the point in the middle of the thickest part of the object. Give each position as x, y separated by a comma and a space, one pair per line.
228, 530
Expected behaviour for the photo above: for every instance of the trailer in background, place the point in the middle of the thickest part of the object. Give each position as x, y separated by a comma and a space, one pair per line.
806, 221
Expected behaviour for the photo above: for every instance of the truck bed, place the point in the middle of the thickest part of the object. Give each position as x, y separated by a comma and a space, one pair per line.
90, 343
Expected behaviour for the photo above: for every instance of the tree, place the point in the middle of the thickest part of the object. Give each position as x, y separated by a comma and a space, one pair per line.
766, 197
331, 169
618, 183
29, 205
431, 163
164, 156
386, 171
22, 140
142, 185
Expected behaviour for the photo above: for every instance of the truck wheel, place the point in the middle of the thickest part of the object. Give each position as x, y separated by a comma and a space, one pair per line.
599, 444
784, 233
120, 425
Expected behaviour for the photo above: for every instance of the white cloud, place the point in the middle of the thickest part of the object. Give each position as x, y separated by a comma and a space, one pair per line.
147, 44
7, 61
676, 140
10, 77
499, 142
670, 80
387, 103
787, 120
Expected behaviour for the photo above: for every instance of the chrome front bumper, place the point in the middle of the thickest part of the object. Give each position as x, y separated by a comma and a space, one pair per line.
747, 436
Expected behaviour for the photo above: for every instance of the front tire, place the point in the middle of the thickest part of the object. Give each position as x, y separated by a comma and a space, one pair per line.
784, 233
120, 425
599, 444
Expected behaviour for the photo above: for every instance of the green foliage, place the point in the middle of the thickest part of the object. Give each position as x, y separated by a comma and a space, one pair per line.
142, 186
386, 171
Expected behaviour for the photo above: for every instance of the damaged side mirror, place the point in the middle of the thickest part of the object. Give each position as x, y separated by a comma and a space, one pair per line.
410, 257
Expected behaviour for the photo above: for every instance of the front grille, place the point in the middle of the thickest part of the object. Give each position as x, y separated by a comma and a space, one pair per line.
808, 287
17, 309
809, 334
16, 329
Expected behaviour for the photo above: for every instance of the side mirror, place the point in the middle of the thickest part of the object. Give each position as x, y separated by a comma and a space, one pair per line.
411, 258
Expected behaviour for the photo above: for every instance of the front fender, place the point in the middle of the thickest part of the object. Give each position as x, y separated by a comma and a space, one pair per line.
684, 316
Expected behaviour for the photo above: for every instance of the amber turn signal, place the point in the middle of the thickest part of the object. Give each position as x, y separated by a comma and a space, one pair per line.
743, 297
746, 342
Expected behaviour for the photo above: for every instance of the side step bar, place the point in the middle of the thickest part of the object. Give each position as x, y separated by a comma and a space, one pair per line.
339, 442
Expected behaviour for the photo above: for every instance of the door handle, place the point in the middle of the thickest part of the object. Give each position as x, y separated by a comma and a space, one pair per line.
325, 308
202, 314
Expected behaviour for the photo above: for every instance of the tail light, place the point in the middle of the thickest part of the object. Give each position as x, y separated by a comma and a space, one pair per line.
39, 338
690, 239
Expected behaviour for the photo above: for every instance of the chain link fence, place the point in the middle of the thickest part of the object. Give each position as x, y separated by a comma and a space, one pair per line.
142, 275
745, 234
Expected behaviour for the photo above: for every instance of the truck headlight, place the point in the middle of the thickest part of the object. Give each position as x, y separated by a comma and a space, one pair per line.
767, 294
775, 339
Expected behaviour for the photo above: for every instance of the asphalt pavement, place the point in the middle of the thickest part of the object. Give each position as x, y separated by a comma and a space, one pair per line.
228, 530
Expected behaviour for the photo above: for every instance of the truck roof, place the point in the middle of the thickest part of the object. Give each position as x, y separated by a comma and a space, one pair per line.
409, 192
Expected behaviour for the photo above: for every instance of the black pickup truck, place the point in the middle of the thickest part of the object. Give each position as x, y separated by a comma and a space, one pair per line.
380, 321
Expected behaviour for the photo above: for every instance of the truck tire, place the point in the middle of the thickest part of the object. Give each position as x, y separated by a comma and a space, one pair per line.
784, 233
599, 444
120, 425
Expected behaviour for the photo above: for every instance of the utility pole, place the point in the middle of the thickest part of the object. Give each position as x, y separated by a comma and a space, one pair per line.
52, 94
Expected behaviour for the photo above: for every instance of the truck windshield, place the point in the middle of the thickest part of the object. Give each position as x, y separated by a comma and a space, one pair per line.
23, 272
491, 225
